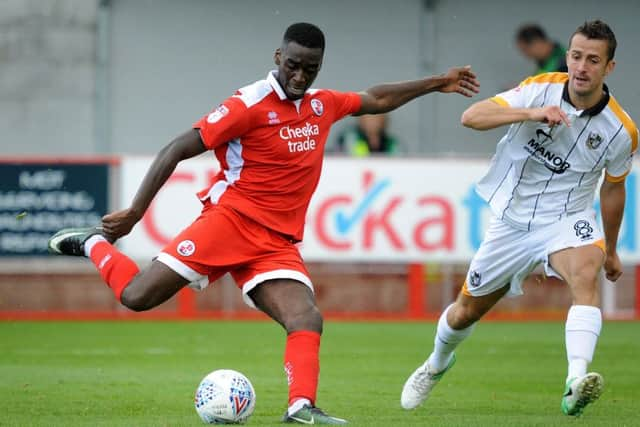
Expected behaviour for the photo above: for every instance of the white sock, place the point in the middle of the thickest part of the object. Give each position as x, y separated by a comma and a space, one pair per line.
582, 330
446, 340
297, 405
91, 242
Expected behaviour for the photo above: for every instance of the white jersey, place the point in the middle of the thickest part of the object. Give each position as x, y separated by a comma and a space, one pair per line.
540, 174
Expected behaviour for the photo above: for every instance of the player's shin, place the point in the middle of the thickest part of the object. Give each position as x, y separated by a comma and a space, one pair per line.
446, 341
302, 365
582, 330
116, 269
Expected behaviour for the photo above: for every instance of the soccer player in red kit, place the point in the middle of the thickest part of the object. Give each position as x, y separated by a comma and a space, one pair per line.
269, 139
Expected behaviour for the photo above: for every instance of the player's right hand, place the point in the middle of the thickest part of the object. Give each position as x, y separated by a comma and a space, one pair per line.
120, 223
551, 115
612, 267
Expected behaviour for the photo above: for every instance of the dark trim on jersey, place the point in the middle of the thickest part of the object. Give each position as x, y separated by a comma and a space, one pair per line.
544, 97
569, 194
592, 111
592, 169
513, 192
507, 174
525, 162
500, 184
607, 147
535, 207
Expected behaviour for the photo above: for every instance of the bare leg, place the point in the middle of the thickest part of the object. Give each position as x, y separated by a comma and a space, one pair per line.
152, 287
290, 303
580, 268
469, 309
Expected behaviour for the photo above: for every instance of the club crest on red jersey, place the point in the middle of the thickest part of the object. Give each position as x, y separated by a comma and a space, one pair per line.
317, 107
186, 248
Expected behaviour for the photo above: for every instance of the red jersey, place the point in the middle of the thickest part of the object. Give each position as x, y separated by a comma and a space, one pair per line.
270, 150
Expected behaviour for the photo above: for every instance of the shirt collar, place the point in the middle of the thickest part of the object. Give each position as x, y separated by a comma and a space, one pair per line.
592, 111
275, 84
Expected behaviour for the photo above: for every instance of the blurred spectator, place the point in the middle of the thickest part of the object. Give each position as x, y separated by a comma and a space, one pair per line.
368, 136
548, 54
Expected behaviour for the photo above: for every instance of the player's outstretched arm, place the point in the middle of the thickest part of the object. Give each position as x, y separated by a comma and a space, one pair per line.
612, 199
120, 223
389, 96
487, 114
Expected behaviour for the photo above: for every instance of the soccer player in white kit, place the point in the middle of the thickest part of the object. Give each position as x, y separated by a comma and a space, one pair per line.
565, 129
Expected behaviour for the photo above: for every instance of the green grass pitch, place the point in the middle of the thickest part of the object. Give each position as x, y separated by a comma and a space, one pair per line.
145, 373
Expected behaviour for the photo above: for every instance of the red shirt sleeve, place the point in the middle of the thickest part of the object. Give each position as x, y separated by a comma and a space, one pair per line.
345, 103
227, 122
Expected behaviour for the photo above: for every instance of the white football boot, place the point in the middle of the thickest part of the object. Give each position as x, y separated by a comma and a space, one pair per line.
420, 383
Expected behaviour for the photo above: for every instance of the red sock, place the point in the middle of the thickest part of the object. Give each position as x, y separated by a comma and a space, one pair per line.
302, 365
116, 269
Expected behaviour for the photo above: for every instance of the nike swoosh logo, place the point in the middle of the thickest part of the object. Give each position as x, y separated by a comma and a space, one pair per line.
300, 420
541, 132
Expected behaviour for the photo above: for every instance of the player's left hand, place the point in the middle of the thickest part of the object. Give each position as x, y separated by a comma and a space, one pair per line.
120, 223
461, 80
612, 266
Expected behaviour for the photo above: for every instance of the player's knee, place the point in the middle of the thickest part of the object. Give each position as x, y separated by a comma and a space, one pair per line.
134, 300
463, 316
307, 319
586, 274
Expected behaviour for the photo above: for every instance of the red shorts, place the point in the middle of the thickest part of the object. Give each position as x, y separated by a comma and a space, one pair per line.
221, 241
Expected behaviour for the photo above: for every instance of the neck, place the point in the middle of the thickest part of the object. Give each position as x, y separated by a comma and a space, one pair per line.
583, 102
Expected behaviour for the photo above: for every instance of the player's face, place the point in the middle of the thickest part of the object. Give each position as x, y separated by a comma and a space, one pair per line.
588, 65
298, 67
533, 50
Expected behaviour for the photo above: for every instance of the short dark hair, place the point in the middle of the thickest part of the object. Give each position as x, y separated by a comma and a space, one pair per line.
305, 34
598, 30
528, 33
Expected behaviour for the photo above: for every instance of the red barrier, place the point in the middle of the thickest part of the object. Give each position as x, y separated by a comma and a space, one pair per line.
416, 291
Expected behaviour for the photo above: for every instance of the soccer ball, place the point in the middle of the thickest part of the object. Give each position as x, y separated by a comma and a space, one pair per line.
225, 396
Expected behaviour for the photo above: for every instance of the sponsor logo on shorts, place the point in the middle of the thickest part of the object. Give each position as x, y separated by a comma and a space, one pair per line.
217, 114
186, 248
474, 279
317, 107
583, 229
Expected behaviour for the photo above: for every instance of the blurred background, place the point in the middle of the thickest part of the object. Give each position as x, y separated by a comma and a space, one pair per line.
91, 90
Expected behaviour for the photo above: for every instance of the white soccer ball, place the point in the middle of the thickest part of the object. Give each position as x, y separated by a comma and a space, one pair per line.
225, 396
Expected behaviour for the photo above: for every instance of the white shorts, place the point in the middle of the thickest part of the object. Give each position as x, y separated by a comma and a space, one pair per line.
507, 255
